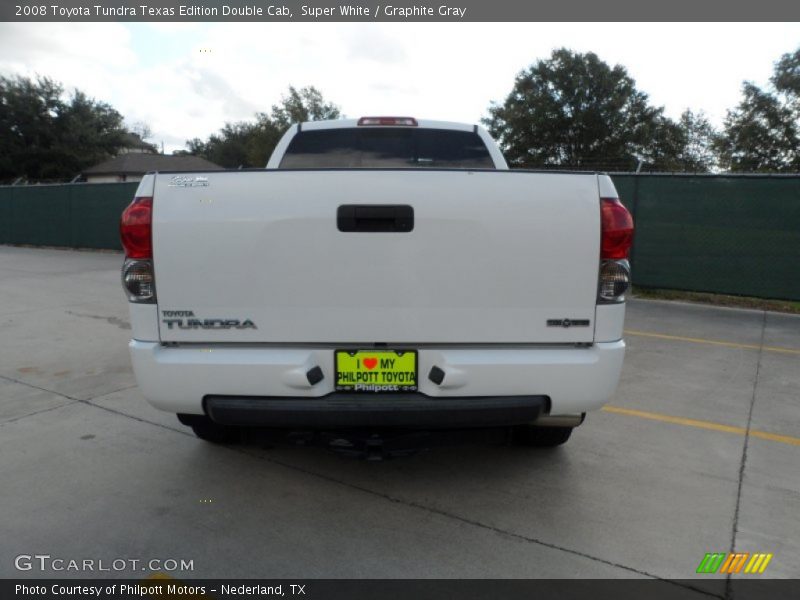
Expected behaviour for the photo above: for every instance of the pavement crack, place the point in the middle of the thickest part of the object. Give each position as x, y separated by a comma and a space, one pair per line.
37, 412
743, 463
72, 399
62, 394
41, 389
139, 419
103, 395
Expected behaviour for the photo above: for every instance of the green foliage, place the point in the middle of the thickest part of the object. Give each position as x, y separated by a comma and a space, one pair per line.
306, 104
696, 153
44, 136
763, 132
786, 78
228, 148
573, 110
249, 144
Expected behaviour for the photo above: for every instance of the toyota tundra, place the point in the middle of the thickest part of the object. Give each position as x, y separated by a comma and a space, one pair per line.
380, 274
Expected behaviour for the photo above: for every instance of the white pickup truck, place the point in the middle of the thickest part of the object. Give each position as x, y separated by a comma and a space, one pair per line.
385, 273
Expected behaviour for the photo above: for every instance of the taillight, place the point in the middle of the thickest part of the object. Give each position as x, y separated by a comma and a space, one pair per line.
615, 279
388, 121
135, 231
138, 280
616, 226
616, 238
135, 228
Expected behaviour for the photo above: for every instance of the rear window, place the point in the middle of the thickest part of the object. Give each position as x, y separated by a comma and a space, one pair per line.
386, 148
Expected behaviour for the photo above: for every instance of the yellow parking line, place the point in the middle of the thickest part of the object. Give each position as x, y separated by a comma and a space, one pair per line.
680, 338
709, 425
774, 437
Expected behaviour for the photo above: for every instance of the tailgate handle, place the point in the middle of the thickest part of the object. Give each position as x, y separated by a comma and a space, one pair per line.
398, 218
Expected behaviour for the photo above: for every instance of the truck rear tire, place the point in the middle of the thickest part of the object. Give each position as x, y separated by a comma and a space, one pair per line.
207, 430
540, 437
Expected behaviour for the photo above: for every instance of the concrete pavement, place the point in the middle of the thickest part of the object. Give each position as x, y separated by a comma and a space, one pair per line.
89, 470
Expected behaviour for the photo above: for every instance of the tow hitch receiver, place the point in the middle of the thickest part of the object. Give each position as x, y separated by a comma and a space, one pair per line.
377, 445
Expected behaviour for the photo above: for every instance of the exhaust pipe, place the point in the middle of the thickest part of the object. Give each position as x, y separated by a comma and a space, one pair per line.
559, 420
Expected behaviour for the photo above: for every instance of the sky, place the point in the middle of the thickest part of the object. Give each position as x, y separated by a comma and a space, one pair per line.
185, 80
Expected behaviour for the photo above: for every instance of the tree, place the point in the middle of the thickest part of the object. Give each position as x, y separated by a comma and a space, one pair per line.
761, 133
229, 148
786, 79
44, 136
573, 110
141, 130
696, 153
305, 104
249, 144
136, 138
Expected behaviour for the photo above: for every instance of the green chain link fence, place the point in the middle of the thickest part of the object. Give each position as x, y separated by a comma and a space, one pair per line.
709, 233
73, 215
714, 233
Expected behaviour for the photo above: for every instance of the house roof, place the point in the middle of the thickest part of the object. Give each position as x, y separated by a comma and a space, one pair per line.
140, 163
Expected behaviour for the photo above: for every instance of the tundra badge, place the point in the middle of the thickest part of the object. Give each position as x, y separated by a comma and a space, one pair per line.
193, 323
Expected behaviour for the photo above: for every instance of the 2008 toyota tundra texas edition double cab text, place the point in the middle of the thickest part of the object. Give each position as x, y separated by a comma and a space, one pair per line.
380, 274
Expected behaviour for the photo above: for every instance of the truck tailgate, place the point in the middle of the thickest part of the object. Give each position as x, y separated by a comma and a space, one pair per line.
492, 257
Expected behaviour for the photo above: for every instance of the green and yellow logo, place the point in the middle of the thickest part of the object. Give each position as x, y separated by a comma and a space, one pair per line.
734, 562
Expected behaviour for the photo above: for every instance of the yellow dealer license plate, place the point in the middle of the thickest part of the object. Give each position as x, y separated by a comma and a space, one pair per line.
376, 371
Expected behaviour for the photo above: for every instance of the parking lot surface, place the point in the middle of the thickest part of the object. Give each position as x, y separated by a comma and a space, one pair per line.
698, 452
